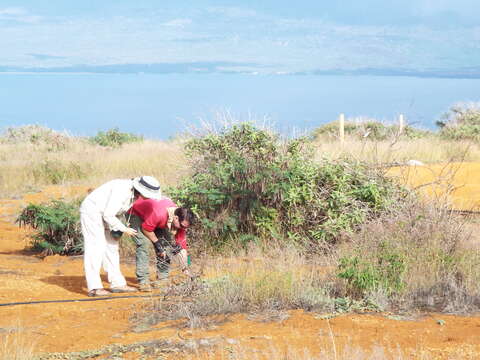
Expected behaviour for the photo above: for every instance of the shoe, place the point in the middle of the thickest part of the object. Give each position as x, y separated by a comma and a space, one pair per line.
160, 284
98, 292
123, 289
145, 287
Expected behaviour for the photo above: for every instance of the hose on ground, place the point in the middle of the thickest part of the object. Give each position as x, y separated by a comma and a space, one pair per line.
79, 300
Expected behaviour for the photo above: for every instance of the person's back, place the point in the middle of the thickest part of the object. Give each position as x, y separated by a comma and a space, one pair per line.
101, 197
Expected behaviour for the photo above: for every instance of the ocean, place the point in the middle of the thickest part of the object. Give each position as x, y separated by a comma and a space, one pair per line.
162, 106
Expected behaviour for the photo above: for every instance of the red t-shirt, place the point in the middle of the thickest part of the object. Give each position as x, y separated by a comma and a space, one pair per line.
155, 215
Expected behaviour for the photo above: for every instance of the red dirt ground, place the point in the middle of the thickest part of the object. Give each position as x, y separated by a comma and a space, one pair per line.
80, 326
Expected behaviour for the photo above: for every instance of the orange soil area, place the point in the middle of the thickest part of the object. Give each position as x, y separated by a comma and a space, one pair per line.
79, 326
456, 183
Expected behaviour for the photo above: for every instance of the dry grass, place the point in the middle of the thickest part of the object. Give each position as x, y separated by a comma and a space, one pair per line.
27, 166
439, 274
16, 345
427, 150
326, 352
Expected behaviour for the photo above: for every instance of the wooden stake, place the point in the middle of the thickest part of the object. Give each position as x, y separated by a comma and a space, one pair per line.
401, 124
342, 128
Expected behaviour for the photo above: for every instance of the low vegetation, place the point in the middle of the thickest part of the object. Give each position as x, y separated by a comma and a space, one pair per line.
30, 165
369, 129
461, 122
114, 138
57, 226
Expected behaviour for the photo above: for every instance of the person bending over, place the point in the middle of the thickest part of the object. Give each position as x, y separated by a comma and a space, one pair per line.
156, 222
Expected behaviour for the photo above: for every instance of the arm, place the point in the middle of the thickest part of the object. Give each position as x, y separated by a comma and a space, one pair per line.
156, 243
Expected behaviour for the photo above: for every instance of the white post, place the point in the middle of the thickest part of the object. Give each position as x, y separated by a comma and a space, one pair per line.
401, 124
342, 128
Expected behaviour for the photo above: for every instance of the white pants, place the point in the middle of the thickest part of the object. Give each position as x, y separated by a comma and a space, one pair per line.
99, 249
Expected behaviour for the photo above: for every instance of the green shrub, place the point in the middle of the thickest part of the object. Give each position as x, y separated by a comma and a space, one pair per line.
58, 227
248, 185
115, 138
369, 130
461, 122
383, 270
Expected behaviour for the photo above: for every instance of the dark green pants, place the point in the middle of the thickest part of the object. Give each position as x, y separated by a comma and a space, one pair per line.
143, 249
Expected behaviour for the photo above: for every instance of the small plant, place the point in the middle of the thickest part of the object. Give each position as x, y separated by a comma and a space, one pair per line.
383, 271
114, 138
58, 227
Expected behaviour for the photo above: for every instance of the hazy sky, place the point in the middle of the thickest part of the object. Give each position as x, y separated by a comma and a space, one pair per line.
265, 36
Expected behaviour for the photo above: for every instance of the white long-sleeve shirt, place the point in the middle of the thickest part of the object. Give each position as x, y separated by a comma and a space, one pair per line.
110, 200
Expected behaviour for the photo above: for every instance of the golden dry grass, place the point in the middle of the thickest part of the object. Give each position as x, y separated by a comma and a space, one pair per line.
27, 167
428, 150
16, 345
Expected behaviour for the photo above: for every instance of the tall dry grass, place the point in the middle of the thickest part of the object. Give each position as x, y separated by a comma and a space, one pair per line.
428, 150
17, 345
27, 167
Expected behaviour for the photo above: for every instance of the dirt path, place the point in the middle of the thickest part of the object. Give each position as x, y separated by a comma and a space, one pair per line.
83, 326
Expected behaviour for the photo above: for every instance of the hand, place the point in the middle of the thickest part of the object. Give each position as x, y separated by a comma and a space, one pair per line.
176, 249
159, 249
130, 231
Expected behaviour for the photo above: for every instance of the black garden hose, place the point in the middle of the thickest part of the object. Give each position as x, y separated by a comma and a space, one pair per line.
78, 300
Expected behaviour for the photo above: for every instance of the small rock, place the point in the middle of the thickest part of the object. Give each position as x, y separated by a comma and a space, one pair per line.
414, 163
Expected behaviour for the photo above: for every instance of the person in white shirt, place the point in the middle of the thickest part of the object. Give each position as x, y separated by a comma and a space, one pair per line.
99, 221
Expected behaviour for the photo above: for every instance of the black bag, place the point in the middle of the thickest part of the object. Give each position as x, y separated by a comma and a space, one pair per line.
116, 234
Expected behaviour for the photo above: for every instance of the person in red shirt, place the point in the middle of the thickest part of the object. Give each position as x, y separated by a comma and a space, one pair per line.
156, 221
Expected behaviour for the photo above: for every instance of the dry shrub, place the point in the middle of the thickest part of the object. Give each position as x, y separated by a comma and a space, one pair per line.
413, 256
260, 282
16, 345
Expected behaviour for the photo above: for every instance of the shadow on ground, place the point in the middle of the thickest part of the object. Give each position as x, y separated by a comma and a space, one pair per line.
76, 284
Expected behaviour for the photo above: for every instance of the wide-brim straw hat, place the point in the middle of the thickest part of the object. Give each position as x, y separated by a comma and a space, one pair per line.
148, 186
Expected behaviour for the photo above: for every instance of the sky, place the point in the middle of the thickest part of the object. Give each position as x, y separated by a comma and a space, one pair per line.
262, 36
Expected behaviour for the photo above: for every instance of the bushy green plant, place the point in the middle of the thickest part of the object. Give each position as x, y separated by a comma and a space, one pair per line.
58, 227
382, 270
461, 122
369, 130
114, 138
249, 185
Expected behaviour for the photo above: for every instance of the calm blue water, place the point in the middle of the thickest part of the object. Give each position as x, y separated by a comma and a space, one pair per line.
160, 106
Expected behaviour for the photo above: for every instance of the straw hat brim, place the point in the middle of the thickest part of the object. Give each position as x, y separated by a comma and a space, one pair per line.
146, 192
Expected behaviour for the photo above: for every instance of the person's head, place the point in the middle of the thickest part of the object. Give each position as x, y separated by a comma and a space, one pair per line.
147, 187
183, 218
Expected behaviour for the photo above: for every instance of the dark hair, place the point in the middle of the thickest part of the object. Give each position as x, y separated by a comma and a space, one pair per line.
185, 214
136, 193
